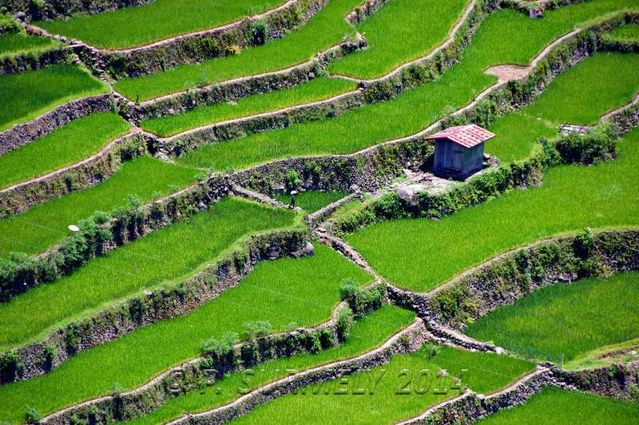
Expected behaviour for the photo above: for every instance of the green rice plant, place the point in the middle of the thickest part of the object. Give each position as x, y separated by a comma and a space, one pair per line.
312, 200
401, 31
421, 254
628, 32
165, 254
580, 96
12, 43
561, 407
312, 91
303, 291
546, 325
399, 390
64, 146
367, 333
506, 36
136, 26
46, 224
30, 94
326, 29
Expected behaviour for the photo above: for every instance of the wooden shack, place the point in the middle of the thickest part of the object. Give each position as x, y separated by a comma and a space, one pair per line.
459, 151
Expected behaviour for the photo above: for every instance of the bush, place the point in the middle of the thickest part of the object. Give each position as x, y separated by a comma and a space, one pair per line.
344, 323
293, 180
257, 329
596, 146
260, 32
11, 366
32, 415
326, 338
220, 347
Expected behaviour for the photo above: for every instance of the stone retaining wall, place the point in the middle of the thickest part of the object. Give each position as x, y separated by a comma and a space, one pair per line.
52, 9
513, 275
191, 376
168, 300
27, 61
367, 170
87, 173
620, 381
22, 134
242, 87
364, 11
202, 45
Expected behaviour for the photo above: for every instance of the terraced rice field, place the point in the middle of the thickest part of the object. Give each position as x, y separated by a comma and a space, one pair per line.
178, 276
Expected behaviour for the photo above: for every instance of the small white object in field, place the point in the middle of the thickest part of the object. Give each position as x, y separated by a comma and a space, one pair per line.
73, 228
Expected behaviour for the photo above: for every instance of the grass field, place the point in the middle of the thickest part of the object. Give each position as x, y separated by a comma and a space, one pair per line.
46, 224
159, 20
578, 96
160, 256
315, 90
546, 325
366, 334
12, 43
312, 201
420, 254
626, 32
505, 37
64, 146
30, 94
401, 31
303, 291
399, 390
558, 407
324, 30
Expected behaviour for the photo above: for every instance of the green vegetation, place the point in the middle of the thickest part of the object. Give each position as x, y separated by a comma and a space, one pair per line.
17, 42
303, 291
65, 146
506, 36
326, 29
559, 407
136, 26
43, 225
401, 31
628, 32
162, 255
30, 94
546, 325
570, 198
605, 356
404, 388
578, 96
315, 90
366, 334
313, 200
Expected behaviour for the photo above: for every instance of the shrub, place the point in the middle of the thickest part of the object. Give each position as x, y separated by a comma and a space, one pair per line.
32, 415
363, 300
596, 146
344, 323
220, 347
11, 366
260, 32
313, 344
347, 288
326, 338
257, 329
293, 180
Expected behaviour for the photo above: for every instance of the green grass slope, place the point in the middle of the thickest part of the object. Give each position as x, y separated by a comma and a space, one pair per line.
399, 390
560, 322
303, 291
136, 26
65, 146
46, 224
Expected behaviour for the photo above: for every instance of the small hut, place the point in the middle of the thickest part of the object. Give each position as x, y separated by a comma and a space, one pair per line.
459, 151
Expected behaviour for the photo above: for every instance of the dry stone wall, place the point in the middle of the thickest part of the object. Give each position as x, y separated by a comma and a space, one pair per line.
52, 9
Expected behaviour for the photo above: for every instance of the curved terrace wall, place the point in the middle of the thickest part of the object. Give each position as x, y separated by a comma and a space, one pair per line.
32, 60
202, 45
50, 9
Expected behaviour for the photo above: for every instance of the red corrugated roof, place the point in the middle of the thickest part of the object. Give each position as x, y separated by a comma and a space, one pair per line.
465, 135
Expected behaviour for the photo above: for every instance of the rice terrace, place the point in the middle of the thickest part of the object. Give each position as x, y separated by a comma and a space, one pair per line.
319, 212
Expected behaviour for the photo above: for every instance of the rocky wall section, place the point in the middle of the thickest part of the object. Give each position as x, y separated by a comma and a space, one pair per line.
87, 173
31, 60
166, 301
203, 45
513, 275
242, 87
22, 134
409, 340
367, 170
199, 372
52, 9
620, 381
